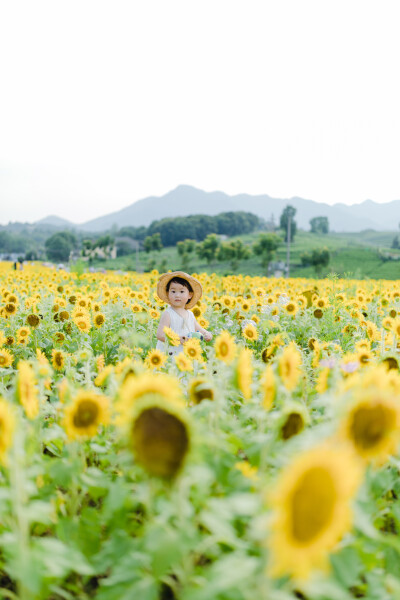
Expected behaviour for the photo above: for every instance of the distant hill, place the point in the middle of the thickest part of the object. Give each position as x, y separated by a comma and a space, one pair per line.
187, 200
55, 222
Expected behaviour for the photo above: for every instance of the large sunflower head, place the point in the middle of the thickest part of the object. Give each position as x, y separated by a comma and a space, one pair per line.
311, 509
6, 358
159, 435
136, 388
193, 350
225, 347
372, 423
84, 415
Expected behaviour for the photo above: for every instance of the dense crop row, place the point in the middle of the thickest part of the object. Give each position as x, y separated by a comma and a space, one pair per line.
261, 465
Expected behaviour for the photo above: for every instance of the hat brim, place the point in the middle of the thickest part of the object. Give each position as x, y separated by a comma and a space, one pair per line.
194, 284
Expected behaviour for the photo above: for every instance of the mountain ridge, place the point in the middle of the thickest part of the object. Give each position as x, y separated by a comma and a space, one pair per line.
187, 200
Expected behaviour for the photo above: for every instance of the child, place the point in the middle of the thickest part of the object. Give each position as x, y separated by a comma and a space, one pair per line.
181, 291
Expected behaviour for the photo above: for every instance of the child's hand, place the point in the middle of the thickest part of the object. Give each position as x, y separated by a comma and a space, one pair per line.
208, 336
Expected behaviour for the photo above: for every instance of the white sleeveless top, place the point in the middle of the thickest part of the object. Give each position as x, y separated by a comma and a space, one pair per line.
181, 326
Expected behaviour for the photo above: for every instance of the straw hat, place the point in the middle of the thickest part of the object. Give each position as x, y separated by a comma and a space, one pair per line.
194, 284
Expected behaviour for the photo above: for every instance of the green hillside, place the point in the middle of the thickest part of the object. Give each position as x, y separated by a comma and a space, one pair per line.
360, 255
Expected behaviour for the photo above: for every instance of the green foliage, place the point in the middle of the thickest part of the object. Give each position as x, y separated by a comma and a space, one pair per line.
288, 213
60, 245
265, 246
152, 242
185, 250
208, 248
319, 225
234, 252
318, 258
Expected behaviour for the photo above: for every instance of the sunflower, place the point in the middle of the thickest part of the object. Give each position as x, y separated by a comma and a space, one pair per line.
364, 357
26, 389
58, 359
396, 326
6, 359
291, 308
171, 336
33, 320
390, 362
268, 388
311, 509
155, 359
83, 324
372, 423
250, 332
10, 309
99, 320
247, 470
7, 427
192, 349
225, 347
135, 388
85, 414
318, 313
293, 421
200, 389
244, 371
159, 436
289, 366
183, 362
64, 315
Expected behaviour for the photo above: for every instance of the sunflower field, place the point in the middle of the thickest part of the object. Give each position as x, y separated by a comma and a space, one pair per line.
262, 465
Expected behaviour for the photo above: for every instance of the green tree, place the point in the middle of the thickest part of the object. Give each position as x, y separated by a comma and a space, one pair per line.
234, 252
60, 245
152, 242
289, 211
319, 225
319, 258
266, 246
208, 248
185, 250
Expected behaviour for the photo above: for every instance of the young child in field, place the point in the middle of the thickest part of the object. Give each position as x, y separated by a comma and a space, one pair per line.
181, 291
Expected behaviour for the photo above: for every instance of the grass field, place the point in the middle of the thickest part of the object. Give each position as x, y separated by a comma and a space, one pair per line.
359, 255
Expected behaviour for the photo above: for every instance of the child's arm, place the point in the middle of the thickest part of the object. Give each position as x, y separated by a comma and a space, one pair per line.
165, 321
207, 334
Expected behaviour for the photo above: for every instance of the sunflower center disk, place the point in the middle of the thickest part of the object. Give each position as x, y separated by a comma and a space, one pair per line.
86, 414
160, 441
313, 502
370, 425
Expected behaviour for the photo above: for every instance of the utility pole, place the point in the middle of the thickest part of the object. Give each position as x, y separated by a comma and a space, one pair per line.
288, 244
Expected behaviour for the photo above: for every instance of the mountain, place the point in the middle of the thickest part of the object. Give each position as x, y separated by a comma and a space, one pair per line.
187, 200
55, 221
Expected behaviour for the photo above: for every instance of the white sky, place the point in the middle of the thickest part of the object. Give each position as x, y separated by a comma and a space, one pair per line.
105, 103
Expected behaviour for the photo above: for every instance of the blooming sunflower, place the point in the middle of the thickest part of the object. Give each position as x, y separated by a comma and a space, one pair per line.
6, 359
7, 427
99, 320
58, 359
250, 332
33, 320
159, 435
85, 414
171, 336
289, 366
26, 389
225, 347
372, 423
155, 359
244, 371
311, 509
193, 350
291, 308
83, 324
135, 388
200, 389
183, 362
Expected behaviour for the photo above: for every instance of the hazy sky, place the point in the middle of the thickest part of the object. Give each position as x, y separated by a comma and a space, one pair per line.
104, 103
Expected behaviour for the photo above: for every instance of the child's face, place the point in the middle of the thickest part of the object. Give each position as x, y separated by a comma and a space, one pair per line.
178, 295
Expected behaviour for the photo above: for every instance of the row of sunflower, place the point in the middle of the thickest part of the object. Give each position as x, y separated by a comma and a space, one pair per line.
263, 464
